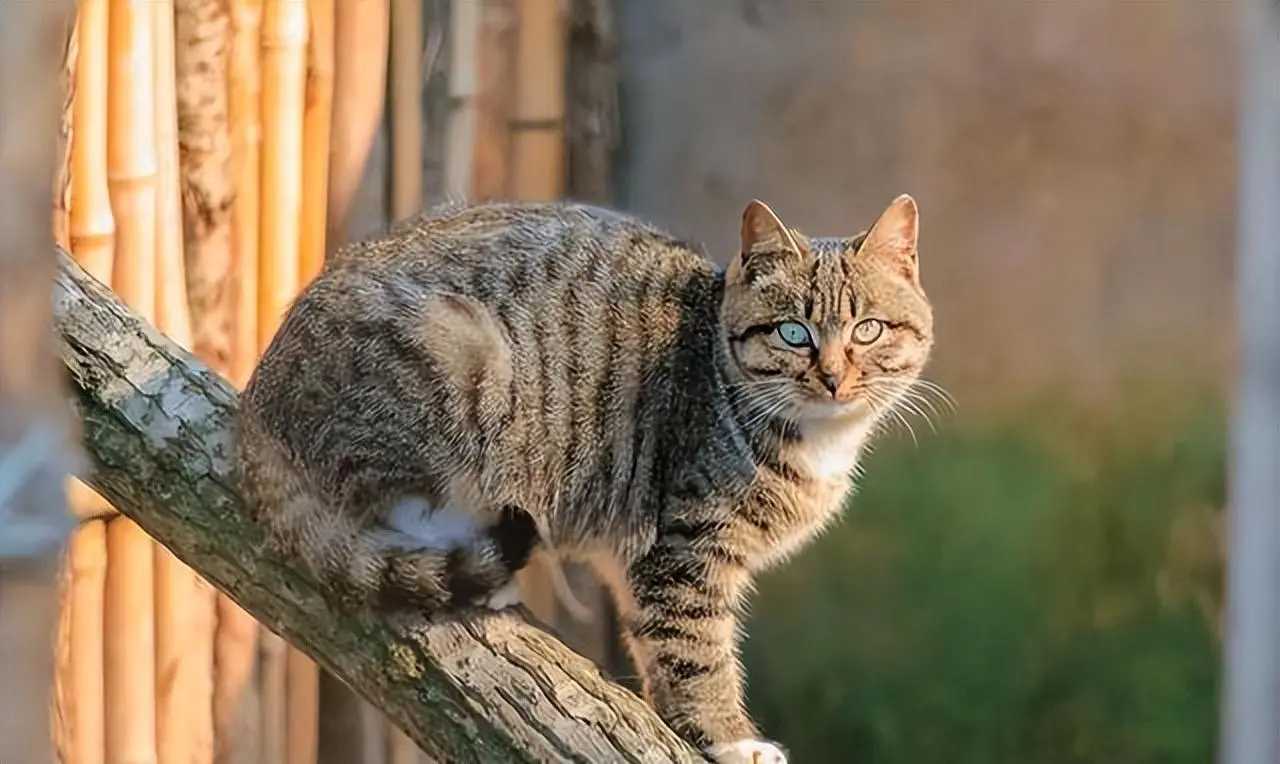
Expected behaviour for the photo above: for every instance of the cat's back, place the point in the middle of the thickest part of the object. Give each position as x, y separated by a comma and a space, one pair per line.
521, 253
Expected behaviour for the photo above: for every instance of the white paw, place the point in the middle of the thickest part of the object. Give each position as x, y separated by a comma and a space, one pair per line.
506, 596
747, 752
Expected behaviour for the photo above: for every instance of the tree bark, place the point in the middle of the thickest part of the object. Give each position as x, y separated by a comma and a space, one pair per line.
487, 688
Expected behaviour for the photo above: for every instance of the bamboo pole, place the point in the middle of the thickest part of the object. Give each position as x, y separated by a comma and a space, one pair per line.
361, 37
406, 178
183, 602
491, 155
204, 41
91, 225
284, 72
538, 123
302, 673
464, 87
245, 107
537, 172
317, 129
235, 711
129, 650
273, 658
172, 314
66, 120
406, 104
91, 232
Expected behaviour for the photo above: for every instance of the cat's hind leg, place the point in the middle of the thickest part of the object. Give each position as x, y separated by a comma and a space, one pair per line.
452, 553
440, 557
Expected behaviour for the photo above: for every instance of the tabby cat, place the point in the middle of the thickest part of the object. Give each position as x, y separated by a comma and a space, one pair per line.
478, 381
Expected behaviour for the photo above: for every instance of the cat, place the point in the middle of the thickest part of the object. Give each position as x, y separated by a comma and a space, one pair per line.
480, 382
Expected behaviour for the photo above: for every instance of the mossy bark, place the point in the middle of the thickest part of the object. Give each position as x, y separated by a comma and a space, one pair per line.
484, 688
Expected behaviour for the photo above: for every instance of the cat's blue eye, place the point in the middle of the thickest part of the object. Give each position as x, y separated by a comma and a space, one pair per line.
795, 334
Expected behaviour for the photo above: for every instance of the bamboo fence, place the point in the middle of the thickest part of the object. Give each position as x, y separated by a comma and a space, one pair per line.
208, 175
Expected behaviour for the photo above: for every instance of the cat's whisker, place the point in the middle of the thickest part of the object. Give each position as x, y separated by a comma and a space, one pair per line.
910, 404
938, 391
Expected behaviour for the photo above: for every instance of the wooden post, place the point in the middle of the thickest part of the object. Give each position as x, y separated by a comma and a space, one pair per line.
1251, 692
406, 105
129, 651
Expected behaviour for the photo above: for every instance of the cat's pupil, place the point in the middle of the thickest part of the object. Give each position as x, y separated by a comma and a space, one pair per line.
794, 334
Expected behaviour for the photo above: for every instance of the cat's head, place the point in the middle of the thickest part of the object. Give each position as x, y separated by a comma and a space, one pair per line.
824, 326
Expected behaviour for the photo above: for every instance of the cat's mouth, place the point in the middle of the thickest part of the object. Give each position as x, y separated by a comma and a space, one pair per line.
824, 406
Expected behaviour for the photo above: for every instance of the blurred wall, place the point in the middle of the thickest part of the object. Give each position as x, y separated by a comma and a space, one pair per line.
1073, 161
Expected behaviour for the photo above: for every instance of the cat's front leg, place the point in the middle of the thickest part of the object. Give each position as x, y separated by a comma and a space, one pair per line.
682, 631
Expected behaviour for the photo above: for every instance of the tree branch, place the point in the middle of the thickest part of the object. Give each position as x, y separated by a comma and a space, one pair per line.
487, 689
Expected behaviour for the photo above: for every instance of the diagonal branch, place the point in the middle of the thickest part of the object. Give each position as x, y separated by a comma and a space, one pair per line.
488, 690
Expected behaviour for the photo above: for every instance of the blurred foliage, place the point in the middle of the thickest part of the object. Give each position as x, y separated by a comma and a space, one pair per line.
1041, 590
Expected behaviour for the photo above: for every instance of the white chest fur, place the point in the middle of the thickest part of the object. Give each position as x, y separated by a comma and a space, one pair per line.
829, 448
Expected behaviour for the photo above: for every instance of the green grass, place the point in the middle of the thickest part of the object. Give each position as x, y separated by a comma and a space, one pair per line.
1037, 591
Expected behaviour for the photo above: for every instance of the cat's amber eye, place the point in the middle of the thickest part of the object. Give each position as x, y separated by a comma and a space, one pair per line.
868, 331
794, 334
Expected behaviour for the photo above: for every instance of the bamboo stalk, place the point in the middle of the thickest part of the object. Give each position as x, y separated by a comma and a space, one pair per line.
537, 172
91, 225
464, 86
172, 314
400, 747
361, 34
66, 120
491, 165
303, 724
183, 602
235, 712
80, 682
538, 123
203, 31
91, 234
284, 72
317, 127
275, 698
245, 106
302, 673
131, 163
406, 104
361, 37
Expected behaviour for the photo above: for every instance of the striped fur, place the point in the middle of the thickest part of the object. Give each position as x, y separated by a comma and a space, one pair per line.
565, 373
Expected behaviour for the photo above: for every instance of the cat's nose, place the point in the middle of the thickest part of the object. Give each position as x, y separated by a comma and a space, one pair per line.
831, 382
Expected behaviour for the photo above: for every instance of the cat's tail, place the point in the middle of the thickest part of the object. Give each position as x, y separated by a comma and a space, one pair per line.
365, 563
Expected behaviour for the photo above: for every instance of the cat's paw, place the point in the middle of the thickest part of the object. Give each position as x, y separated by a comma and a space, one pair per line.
747, 752
508, 595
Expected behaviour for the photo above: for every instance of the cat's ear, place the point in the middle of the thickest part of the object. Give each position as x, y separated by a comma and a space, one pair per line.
894, 235
762, 232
